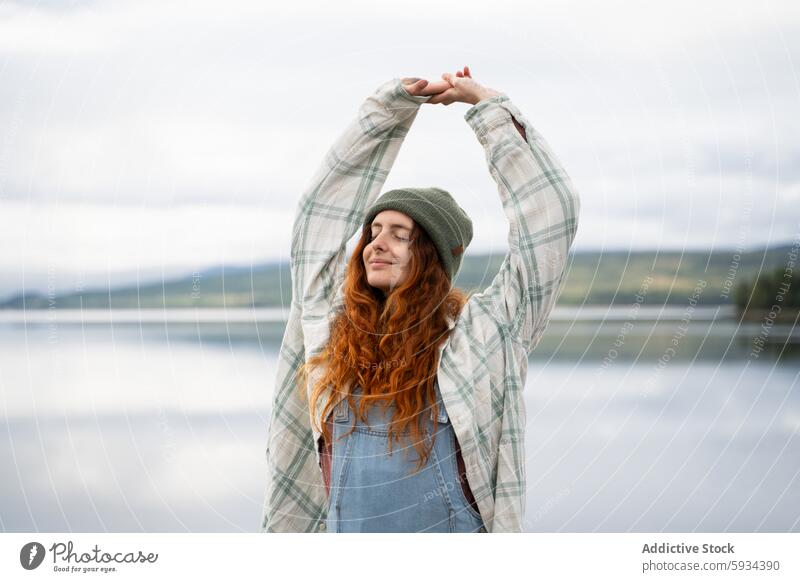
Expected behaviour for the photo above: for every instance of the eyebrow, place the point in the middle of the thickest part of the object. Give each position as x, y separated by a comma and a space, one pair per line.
392, 225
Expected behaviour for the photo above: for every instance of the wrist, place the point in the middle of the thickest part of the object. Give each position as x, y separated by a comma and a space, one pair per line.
393, 96
482, 95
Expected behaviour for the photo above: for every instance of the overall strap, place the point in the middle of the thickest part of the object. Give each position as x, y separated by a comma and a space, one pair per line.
442, 412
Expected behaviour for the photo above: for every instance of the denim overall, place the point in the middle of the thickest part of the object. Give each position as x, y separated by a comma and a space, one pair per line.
373, 491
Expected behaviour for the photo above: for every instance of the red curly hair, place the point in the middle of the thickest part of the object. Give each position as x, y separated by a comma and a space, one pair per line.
388, 345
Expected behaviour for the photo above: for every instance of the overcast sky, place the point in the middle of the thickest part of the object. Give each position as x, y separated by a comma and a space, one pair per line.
145, 137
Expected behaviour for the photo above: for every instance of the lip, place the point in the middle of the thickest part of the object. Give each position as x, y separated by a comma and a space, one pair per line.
379, 263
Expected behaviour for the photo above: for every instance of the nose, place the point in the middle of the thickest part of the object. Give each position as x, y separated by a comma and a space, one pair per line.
379, 242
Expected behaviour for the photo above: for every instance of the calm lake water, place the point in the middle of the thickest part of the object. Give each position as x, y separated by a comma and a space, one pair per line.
633, 424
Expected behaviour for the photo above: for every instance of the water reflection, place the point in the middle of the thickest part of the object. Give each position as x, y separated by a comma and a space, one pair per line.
161, 426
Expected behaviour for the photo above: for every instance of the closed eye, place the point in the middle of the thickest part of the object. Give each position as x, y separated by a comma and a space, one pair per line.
400, 238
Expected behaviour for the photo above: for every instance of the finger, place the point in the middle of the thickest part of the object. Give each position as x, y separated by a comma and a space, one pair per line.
417, 87
467, 72
436, 87
438, 98
446, 97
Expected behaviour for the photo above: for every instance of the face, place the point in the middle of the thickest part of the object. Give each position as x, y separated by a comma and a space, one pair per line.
387, 256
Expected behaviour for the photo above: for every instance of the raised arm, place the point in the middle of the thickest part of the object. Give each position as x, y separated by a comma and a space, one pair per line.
334, 204
542, 207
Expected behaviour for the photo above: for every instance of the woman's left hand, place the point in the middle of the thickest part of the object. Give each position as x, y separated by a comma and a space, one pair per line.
422, 88
462, 88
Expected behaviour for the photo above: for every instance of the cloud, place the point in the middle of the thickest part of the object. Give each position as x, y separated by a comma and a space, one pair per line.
127, 121
81, 236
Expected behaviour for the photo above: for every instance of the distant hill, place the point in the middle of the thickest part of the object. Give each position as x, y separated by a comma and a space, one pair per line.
594, 277
774, 295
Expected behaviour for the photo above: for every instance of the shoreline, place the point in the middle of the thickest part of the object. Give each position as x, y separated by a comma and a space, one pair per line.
589, 313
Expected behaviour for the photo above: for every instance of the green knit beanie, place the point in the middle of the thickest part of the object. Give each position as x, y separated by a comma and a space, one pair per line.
433, 209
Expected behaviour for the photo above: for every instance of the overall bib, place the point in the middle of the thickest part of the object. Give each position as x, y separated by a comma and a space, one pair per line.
373, 491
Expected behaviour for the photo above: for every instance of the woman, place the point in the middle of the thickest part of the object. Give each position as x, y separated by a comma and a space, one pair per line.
398, 405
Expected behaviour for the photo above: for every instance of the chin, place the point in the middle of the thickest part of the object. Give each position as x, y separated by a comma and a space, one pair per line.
374, 282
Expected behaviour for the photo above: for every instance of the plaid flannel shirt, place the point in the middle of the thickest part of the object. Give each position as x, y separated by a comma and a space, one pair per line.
483, 365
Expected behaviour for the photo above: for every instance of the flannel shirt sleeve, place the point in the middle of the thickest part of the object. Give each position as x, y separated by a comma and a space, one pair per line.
334, 204
329, 212
542, 207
